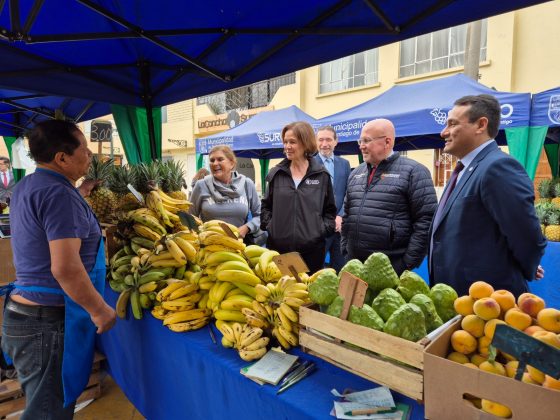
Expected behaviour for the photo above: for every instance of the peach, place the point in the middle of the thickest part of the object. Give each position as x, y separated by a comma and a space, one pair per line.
548, 338
480, 289
458, 357
505, 299
530, 304
535, 374
511, 368
496, 368
551, 383
464, 305
516, 318
463, 342
549, 319
496, 409
474, 325
490, 327
477, 359
487, 308
532, 329
483, 343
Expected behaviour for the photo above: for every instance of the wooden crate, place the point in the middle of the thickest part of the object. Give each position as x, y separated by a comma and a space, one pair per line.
12, 399
317, 336
108, 230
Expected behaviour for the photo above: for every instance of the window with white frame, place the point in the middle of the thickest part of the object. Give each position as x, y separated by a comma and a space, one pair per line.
439, 50
353, 71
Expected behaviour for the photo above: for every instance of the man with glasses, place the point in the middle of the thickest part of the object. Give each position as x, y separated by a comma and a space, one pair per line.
390, 202
339, 169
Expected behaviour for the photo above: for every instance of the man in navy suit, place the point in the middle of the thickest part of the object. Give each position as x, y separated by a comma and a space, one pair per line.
7, 181
485, 227
339, 168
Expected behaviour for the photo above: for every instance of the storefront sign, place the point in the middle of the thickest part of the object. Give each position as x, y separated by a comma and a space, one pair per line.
226, 121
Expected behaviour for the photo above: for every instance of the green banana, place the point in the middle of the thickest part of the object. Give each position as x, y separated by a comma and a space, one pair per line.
120, 253
117, 286
151, 276
129, 250
145, 301
122, 303
129, 280
180, 272
143, 242
135, 304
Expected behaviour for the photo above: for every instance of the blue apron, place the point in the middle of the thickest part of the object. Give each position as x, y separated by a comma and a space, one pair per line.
79, 330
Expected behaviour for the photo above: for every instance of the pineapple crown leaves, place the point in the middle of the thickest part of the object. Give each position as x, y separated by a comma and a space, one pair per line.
543, 211
545, 188
99, 170
172, 173
147, 176
119, 178
553, 216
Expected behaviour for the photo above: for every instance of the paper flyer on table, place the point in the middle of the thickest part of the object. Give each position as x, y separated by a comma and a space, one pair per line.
340, 408
272, 367
376, 397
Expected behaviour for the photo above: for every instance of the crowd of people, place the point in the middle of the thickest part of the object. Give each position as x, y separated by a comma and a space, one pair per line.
484, 228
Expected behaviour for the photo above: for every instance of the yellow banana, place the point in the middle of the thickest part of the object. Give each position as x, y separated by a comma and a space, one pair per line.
249, 335
283, 342
150, 222
146, 232
176, 251
122, 303
314, 276
183, 291
247, 289
266, 258
237, 329
300, 294
239, 277
259, 308
284, 320
222, 290
293, 302
285, 282
295, 287
221, 240
173, 201
227, 331
262, 291
229, 315
203, 302
234, 265
187, 248
167, 263
254, 251
236, 303
249, 355
234, 292
148, 287
257, 344
219, 248
290, 337
176, 306
256, 321
183, 316
217, 258
288, 312
188, 326
170, 288
187, 235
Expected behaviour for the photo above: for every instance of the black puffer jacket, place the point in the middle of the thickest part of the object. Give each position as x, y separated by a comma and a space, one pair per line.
392, 215
298, 219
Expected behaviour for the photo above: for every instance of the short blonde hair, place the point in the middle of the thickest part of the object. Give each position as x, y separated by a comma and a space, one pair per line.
226, 150
306, 136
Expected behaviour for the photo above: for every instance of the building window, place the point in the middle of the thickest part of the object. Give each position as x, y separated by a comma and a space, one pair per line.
163, 114
349, 72
439, 50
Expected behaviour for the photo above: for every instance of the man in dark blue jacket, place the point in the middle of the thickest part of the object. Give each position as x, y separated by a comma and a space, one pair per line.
339, 169
485, 227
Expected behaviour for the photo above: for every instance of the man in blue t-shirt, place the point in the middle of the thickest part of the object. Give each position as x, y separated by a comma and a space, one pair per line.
57, 250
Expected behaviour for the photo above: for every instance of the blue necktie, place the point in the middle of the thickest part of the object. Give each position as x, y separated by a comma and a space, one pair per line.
329, 164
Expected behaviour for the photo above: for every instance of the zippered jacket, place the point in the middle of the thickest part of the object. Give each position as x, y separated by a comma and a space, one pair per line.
298, 219
392, 215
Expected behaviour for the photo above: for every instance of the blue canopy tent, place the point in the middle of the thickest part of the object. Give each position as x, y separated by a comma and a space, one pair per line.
545, 128
419, 112
146, 54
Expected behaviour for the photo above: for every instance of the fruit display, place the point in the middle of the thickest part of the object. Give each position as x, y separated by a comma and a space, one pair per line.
484, 308
547, 208
404, 307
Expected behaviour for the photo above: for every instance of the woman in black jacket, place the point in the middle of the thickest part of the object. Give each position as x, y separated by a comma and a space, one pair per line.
298, 209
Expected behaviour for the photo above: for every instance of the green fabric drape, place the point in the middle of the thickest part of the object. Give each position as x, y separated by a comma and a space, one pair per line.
537, 136
517, 141
199, 161
18, 173
132, 124
552, 151
360, 158
264, 172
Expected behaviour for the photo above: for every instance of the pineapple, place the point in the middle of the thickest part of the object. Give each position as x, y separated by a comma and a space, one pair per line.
172, 179
102, 200
542, 211
552, 231
147, 176
118, 181
545, 191
556, 190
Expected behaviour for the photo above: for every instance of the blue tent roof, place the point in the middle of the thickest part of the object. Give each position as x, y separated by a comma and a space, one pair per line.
20, 111
545, 110
153, 53
259, 136
419, 112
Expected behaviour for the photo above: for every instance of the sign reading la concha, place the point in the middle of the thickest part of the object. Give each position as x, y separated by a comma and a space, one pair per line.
229, 120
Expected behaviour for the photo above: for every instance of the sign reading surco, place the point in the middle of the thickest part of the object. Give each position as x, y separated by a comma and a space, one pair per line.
226, 121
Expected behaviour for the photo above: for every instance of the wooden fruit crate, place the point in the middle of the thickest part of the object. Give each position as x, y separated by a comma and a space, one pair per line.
12, 399
382, 358
108, 230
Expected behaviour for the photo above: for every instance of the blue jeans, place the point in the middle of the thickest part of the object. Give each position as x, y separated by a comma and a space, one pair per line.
36, 344
337, 260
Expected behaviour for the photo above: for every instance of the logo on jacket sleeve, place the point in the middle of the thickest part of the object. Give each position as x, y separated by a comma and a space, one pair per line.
312, 181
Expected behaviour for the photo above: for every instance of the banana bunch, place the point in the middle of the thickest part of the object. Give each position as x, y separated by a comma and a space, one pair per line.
178, 306
211, 233
266, 269
166, 207
146, 223
253, 253
248, 340
276, 306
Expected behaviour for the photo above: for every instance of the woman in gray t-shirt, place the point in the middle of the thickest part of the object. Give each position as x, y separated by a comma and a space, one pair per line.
226, 195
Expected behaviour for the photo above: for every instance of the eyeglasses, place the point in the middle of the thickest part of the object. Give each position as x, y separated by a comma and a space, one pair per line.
367, 141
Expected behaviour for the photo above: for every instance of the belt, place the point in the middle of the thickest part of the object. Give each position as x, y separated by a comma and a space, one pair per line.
36, 311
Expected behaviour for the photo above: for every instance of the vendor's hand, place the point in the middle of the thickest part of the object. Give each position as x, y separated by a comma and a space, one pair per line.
105, 319
88, 185
539, 275
243, 230
338, 224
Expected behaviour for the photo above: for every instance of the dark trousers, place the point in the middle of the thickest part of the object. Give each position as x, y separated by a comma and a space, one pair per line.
35, 345
332, 246
314, 258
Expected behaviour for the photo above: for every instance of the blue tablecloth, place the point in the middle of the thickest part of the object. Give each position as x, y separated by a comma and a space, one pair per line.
547, 288
169, 375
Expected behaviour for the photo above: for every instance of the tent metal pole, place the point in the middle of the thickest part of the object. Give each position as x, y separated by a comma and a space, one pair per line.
147, 97
32, 16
